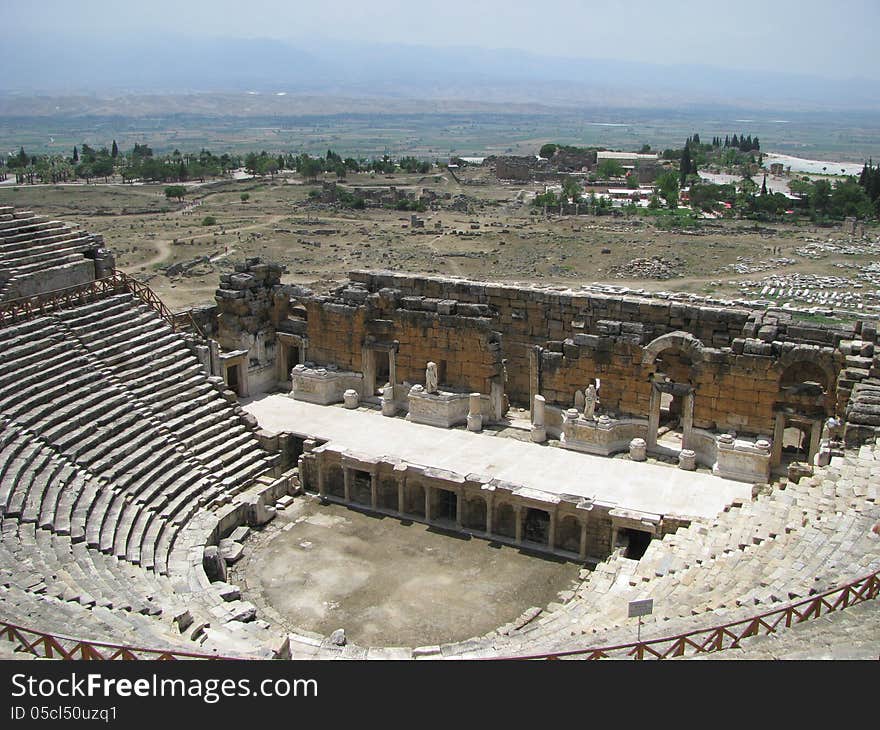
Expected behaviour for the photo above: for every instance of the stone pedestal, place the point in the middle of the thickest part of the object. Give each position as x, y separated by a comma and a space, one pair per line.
388, 406
323, 385
687, 460
474, 417
638, 449
350, 398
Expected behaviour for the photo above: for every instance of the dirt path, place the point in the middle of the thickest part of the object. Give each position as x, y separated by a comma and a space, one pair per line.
164, 245
454, 268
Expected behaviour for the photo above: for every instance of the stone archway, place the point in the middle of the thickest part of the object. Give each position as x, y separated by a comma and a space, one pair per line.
505, 519
675, 358
568, 534
805, 398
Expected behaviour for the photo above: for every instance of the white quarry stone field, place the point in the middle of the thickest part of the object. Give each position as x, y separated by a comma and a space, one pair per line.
639, 486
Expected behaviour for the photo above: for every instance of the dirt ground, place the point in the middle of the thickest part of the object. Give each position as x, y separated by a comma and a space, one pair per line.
320, 567
496, 235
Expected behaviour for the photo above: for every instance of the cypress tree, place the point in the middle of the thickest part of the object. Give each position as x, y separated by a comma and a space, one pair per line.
685, 168
114, 151
764, 186
75, 154
727, 140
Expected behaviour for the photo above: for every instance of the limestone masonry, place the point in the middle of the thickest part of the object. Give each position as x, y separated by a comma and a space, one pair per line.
719, 460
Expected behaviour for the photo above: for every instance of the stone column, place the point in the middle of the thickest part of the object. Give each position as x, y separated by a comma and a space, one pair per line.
551, 532
350, 398
687, 460
815, 436
322, 487
518, 513
347, 477
534, 372
401, 495
539, 431
374, 489
489, 508
653, 418
582, 553
459, 505
687, 420
392, 363
778, 433
637, 449
428, 495
475, 416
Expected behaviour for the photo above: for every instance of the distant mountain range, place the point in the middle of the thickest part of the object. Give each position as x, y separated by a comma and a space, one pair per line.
43, 65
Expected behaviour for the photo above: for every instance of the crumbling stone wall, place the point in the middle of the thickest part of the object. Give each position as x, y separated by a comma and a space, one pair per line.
731, 391
245, 308
555, 341
461, 340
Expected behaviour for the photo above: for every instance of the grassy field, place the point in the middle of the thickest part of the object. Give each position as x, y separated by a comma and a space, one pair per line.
499, 237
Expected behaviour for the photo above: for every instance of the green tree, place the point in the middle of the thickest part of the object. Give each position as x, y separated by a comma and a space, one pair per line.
114, 153
686, 166
175, 191
548, 150
310, 168
571, 190
667, 186
102, 167
609, 168
245, 197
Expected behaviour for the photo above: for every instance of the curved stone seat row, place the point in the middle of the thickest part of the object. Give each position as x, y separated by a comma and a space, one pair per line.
131, 351
33, 247
793, 543
112, 440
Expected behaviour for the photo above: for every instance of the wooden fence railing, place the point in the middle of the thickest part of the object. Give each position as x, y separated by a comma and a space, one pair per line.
53, 646
16, 310
728, 636
700, 641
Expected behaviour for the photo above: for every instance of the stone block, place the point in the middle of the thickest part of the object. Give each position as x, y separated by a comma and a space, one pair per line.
213, 564
231, 551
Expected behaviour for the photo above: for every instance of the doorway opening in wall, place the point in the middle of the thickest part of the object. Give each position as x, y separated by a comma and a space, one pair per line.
634, 542
383, 368
505, 521
292, 358
232, 379
795, 444
536, 527
361, 487
446, 507
473, 514
670, 432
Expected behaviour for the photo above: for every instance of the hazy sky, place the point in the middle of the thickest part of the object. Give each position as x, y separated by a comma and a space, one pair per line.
831, 38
